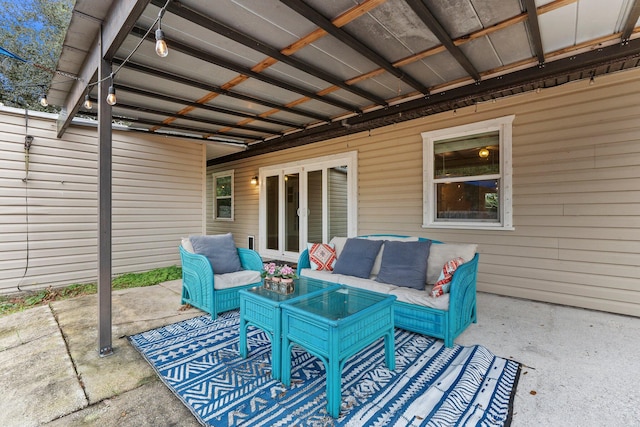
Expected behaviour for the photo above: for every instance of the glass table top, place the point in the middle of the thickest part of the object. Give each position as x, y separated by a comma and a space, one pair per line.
302, 286
339, 303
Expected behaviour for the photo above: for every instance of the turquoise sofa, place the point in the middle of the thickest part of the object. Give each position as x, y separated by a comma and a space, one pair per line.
416, 310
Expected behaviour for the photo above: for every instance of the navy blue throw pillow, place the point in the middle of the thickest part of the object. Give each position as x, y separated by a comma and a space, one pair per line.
357, 257
405, 264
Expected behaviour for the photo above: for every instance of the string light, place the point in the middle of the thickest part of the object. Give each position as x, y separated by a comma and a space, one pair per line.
111, 97
161, 46
87, 102
43, 100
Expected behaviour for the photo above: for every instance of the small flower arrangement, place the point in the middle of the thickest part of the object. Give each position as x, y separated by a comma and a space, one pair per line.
271, 270
279, 278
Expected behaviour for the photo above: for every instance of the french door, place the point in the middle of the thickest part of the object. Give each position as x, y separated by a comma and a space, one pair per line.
308, 201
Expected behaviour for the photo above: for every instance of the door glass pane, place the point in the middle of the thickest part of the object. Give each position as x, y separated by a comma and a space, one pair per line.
338, 202
314, 198
272, 212
291, 220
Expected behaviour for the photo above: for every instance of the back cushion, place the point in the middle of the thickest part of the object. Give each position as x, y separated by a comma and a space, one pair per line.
405, 264
440, 253
220, 250
357, 257
378, 263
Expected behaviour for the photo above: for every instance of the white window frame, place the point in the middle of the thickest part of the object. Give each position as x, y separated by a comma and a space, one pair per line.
350, 159
504, 126
215, 176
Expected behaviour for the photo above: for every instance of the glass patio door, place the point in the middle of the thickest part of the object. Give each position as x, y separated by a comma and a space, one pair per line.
305, 203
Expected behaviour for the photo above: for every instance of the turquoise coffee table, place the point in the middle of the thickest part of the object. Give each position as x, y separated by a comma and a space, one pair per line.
334, 325
260, 307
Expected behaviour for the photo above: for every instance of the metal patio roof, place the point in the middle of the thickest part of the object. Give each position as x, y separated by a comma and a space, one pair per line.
252, 76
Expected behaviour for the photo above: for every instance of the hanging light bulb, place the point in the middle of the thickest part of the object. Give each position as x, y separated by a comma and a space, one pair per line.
161, 46
43, 100
111, 97
87, 102
483, 153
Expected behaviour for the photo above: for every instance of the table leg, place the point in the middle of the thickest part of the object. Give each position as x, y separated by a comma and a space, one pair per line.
243, 338
389, 350
334, 394
276, 352
285, 374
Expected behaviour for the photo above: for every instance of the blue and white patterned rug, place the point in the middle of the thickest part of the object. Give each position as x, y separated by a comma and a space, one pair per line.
198, 359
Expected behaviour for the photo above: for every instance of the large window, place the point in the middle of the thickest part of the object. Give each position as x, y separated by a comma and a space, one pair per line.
223, 200
308, 201
467, 172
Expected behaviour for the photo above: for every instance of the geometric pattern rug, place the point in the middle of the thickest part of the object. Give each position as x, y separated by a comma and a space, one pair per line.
198, 359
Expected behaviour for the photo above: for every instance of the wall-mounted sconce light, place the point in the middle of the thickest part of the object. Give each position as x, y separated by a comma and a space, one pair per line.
254, 180
483, 153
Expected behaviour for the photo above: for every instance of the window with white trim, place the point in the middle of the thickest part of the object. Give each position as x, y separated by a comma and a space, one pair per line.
467, 176
223, 196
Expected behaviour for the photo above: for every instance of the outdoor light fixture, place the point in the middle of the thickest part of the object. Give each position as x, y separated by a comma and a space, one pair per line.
111, 98
161, 46
254, 180
43, 100
483, 153
87, 102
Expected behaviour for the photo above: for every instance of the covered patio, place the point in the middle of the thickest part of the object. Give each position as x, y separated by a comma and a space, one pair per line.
249, 79
576, 362
259, 84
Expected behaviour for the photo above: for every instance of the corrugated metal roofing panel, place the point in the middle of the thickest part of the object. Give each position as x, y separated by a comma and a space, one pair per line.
480, 36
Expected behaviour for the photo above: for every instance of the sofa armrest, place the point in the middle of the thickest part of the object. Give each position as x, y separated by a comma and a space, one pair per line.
462, 300
303, 261
250, 259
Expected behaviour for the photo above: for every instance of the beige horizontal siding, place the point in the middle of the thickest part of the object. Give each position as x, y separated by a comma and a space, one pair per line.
576, 192
48, 225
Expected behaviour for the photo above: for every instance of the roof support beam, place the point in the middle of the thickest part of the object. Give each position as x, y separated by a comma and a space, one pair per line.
193, 118
186, 102
438, 30
630, 23
225, 63
190, 129
121, 18
534, 29
490, 88
185, 12
317, 18
105, 149
217, 89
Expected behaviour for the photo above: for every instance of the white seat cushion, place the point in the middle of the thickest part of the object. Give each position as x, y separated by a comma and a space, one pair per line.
235, 279
423, 298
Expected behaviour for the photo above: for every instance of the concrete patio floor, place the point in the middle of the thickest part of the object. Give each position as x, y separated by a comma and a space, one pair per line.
580, 366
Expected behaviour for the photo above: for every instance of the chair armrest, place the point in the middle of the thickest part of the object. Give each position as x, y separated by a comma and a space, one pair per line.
250, 259
303, 261
196, 265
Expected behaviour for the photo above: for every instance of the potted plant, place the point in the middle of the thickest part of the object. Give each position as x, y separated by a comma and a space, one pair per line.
278, 278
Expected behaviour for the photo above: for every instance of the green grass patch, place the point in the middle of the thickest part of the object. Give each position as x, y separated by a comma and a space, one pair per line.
15, 303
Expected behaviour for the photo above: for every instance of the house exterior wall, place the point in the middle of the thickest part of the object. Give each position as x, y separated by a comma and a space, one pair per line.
576, 192
48, 224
